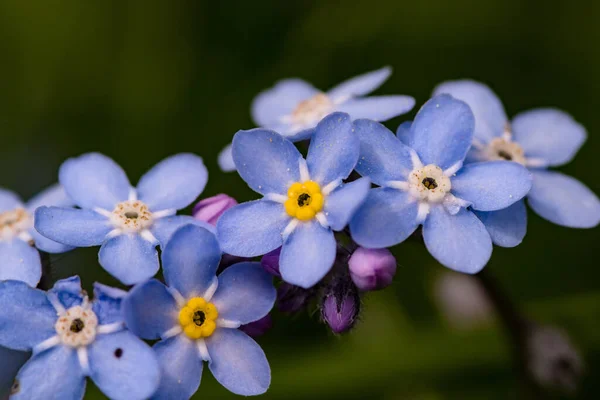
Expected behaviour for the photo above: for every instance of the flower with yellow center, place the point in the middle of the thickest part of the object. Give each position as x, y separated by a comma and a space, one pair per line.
197, 318
304, 201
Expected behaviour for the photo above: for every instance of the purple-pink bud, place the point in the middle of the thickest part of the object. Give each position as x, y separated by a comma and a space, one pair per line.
258, 328
372, 269
210, 209
270, 262
340, 307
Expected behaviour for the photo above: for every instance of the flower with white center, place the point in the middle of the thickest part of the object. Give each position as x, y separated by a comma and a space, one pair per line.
197, 316
293, 107
129, 223
537, 139
424, 183
304, 200
70, 339
19, 241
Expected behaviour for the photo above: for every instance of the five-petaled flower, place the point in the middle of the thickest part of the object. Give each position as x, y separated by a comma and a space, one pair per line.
424, 182
304, 200
197, 315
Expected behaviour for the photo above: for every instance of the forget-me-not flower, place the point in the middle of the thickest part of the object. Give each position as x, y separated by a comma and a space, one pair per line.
424, 182
304, 200
128, 222
197, 316
293, 107
537, 139
19, 241
72, 338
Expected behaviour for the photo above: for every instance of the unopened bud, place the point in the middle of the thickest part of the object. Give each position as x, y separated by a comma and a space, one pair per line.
341, 306
291, 299
372, 269
210, 209
258, 328
270, 262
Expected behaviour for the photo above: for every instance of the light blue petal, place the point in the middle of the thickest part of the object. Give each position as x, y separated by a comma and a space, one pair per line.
292, 134
164, 228
54, 374
564, 200
550, 135
12, 361
26, 316
9, 200
181, 368
71, 226
150, 310
108, 304
68, 291
252, 229
174, 183
341, 205
490, 117
47, 245
493, 185
225, 159
20, 261
386, 218
123, 366
129, 258
383, 157
190, 261
267, 161
245, 293
442, 131
403, 131
377, 108
94, 180
54, 195
360, 85
507, 227
459, 242
307, 254
238, 362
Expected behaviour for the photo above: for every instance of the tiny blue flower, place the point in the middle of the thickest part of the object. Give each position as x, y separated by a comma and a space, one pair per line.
19, 240
12, 361
70, 339
424, 182
197, 316
293, 107
304, 200
127, 222
537, 139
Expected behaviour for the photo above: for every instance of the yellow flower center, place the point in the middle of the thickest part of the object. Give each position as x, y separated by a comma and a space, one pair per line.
197, 318
305, 200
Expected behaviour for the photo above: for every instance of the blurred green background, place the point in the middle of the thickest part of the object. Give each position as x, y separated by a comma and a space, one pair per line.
139, 80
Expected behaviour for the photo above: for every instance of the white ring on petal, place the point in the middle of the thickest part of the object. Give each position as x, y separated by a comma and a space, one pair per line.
422, 212
453, 169
304, 174
203, 350
226, 323
46, 344
179, 299
110, 328
53, 299
278, 198
132, 195
25, 236
400, 185
148, 236
84, 362
164, 213
330, 187
114, 233
416, 161
174, 331
289, 228
210, 292
322, 220
102, 212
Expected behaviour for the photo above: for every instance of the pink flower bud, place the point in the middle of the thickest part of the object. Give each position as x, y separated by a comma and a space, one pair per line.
258, 328
210, 209
372, 269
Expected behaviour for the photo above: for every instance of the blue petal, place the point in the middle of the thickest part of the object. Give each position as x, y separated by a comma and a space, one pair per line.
507, 227
26, 316
12, 361
173, 183
134, 374
460, 242
238, 362
71, 226
360, 85
252, 229
54, 195
54, 374
225, 159
267, 161
164, 228
181, 368
383, 157
107, 304
129, 258
403, 131
442, 131
245, 293
377, 108
333, 150
150, 310
307, 254
68, 291
548, 134
20, 262
9, 200
490, 117
386, 218
564, 200
341, 205
47, 245
94, 180
491, 186
190, 261
282, 99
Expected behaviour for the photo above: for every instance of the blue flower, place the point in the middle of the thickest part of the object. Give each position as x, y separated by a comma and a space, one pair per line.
425, 183
293, 107
197, 315
304, 200
20, 259
537, 139
128, 222
71, 339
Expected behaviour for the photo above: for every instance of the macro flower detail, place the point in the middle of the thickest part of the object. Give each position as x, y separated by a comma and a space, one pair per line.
304, 200
425, 183
197, 316
127, 222
72, 338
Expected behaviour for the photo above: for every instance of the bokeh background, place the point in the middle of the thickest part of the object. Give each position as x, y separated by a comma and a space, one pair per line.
139, 80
